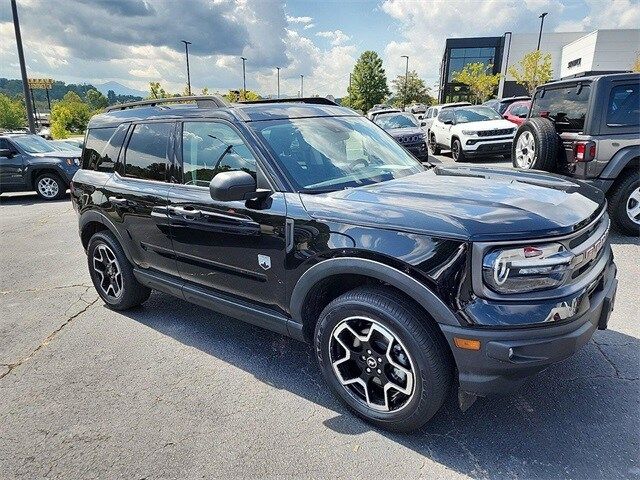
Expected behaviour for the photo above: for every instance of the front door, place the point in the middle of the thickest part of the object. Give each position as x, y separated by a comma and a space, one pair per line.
138, 196
238, 247
11, 167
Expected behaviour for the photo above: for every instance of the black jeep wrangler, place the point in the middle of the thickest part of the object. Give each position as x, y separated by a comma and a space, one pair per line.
588, 128
308, 219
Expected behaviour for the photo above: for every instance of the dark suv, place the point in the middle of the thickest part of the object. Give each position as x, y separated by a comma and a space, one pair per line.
588, 128
308, 219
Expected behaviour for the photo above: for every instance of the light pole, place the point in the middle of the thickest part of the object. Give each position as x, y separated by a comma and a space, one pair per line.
186, 52
301, 86
406, 82
23, 68
278, 69
503, 78
541, 17
244, 80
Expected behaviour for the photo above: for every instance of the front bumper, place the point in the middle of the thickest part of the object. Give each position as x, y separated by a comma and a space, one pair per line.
483, 146
419, 150
508, 356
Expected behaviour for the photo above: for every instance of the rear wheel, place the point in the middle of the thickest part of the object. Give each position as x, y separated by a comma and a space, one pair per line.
383, 358
457, 152
624, 204
50, 186
112, 274
535, 145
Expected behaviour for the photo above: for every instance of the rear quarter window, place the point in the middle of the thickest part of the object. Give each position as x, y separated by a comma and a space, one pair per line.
566, 106
94, 155
623, 108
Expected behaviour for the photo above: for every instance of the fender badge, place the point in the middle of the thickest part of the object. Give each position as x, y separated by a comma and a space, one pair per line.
264, 261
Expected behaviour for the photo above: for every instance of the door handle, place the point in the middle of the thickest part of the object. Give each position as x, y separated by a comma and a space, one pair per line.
123, 202
186, 212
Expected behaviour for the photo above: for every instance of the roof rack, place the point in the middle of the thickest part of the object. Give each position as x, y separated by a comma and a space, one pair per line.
202, 101
310, 100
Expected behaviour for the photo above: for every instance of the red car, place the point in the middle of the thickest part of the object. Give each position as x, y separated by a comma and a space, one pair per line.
517, 112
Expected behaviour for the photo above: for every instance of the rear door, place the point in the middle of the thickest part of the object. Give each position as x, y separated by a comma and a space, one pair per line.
238, 247
11, 167
138, 195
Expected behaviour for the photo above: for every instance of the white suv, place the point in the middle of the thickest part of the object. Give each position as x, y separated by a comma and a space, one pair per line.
471, 131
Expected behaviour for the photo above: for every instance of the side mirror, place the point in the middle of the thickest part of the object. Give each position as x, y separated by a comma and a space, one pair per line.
423, 124
5, 152
523, 115
448, 122
235, 185
505, 116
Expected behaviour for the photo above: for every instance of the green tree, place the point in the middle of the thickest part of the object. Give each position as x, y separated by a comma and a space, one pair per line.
234, 96
96, 100
111, 97
478, 77
12, 113
368, 83
534, 69
411, 89
69, 115
636, 65
205, 91
156, 91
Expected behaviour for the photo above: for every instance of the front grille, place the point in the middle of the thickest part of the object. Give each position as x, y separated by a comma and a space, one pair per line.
410, 139
493, 133
588, 246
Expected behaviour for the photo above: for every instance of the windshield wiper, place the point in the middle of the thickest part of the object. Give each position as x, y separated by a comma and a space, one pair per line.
313, 190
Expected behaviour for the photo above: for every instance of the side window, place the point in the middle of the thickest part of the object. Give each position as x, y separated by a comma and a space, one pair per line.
429, 113
7, 145
623, 109
209, 148
93, 155
146, 155
445, 115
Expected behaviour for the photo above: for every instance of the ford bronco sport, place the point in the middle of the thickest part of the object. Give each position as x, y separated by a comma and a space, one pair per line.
308, 219
589, 128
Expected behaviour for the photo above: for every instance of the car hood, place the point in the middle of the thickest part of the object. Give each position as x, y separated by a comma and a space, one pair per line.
71, 153
405, 132
486, 125
471, 203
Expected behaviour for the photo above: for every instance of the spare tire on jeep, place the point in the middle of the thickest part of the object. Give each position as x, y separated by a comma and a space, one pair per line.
535, 145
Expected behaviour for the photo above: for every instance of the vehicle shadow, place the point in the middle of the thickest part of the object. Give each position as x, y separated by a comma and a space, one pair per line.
576, 419
27, 198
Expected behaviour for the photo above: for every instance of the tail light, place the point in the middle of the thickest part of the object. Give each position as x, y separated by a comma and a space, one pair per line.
584, 151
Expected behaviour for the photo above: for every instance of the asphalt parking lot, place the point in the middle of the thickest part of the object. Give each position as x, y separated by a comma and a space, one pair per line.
171, 390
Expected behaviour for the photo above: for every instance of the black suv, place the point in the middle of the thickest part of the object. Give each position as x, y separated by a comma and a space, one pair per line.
588, 128
29, 162
308, 219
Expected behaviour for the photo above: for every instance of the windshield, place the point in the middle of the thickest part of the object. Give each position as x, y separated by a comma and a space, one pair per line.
34, 144
332, 153
399, 120
475, 114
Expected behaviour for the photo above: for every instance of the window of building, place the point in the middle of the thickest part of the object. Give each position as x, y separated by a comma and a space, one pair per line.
146, 155
566, 106
624, 106
209, 148
459, 57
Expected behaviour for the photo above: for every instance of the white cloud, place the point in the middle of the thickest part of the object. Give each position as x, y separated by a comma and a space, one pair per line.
291, 19
309, 25
337, 37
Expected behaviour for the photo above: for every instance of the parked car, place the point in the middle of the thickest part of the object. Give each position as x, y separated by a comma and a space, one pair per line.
517, 112
500, 105
379, 107
471, 131
432, 112
29, 162
305, 218
407, 132
418, 110
373, 115
589, 128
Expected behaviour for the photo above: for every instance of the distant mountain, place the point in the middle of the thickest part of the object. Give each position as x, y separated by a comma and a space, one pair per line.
119, 89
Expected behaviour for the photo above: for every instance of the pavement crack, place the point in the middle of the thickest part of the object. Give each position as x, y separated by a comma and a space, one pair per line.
606, 357
45, 289
49, 338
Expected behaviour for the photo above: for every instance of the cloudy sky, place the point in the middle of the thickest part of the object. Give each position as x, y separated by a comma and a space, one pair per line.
134, 42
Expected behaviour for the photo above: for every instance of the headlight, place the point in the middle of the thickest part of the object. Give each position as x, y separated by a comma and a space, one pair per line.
526, 268
469, 132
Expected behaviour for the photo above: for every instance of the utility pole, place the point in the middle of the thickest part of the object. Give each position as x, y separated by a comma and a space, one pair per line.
244, 80
301, 86
278, 69
503, 78
406, 82
23, 68
186, 51
541, 17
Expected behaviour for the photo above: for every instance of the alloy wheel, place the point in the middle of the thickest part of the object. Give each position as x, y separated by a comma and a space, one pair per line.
455, 150
48, 187
525, 150
371, 363
106, 266
633, 206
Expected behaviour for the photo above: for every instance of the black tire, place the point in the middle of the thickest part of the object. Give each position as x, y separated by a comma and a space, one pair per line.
50, 186
545, 144
620, 197
426, 348
457, 153
433, 145
132, 293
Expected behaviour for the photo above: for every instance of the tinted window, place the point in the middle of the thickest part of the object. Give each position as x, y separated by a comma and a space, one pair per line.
475, 114
445, 115
519, 109
567, 106
146, 155
624, 106
93, 155
209, 148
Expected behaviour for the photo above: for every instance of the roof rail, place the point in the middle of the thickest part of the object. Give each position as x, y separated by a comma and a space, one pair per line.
202, 101
310, 100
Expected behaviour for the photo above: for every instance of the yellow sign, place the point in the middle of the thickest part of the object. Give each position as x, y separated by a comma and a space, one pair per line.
40, 82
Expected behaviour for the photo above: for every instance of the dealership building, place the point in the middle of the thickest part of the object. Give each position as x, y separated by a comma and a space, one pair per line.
572, 54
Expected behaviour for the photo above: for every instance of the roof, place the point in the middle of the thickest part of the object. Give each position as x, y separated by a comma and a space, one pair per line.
593, 78
454, 104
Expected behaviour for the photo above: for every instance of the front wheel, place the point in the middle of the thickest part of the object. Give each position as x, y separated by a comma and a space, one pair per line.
457, 152
624, 204
433, 145
383, 358
50, 186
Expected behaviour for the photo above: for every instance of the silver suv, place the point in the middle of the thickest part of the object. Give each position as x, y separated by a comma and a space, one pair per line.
588, 128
